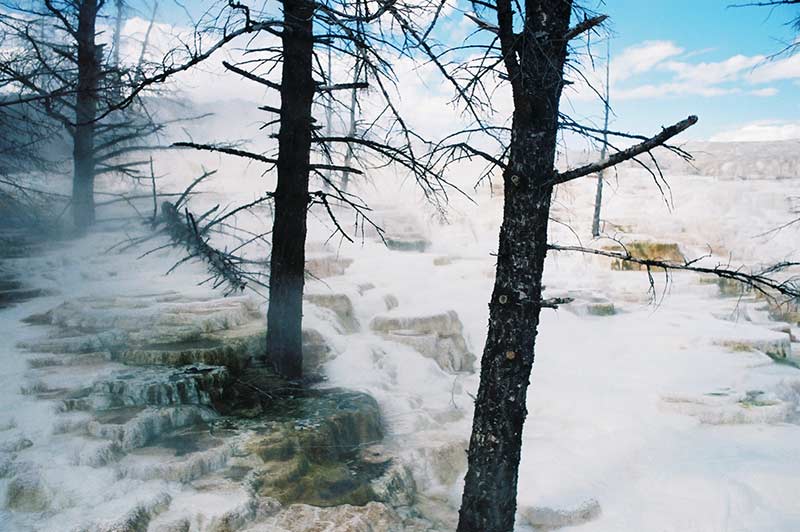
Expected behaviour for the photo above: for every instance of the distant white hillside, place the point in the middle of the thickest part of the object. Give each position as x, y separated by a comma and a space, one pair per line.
727, 160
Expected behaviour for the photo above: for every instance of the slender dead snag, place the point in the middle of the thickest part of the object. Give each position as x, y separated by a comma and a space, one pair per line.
598, 199
155, 192
329, 104
119, 6
527, 49
138, 72
352, 130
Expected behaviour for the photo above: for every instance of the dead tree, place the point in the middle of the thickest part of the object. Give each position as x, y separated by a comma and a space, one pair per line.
28, 145
86, 96
305, 150
526, 49
287, 265
534, 62
116, 43
598, 198
352, 121
70, 77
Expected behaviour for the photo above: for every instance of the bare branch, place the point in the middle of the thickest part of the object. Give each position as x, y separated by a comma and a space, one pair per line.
584, 26
251, 76
342, 86
625, 155
226, 150
482, 24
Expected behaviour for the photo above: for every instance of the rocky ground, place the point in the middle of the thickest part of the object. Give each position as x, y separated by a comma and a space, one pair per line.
134, 401
153, 415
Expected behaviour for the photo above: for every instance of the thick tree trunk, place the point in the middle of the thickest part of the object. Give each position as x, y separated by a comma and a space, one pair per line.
489, 500
85, 114
285, 314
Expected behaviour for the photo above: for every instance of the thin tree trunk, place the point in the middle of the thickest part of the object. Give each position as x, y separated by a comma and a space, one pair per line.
352, 128
353, 125
285, 314
329, 103
116, 43
598, 198
145, 43
120, 5
85, 114
489, 500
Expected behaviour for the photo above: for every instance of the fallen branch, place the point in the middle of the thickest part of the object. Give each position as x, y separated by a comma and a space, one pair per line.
185, 232
760, 281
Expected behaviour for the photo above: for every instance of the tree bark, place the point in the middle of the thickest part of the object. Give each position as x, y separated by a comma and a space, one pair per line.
85, 114
489, 500
285, 314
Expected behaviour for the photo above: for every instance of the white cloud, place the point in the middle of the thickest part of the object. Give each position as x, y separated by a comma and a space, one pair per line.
760, 131
670, 89
642, 58
787, 68
632, 61
765, 92
714, 73
705, 79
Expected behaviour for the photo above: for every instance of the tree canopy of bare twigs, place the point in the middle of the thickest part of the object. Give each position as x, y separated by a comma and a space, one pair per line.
286, 52
53, 64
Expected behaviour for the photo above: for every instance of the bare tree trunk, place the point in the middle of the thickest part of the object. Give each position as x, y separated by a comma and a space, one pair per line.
598, 199
145, 43
489, 500
285, 314
352, 128
117, 42
85, 114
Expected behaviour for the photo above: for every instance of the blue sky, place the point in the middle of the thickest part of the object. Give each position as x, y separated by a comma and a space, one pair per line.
672, 58
721, 88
